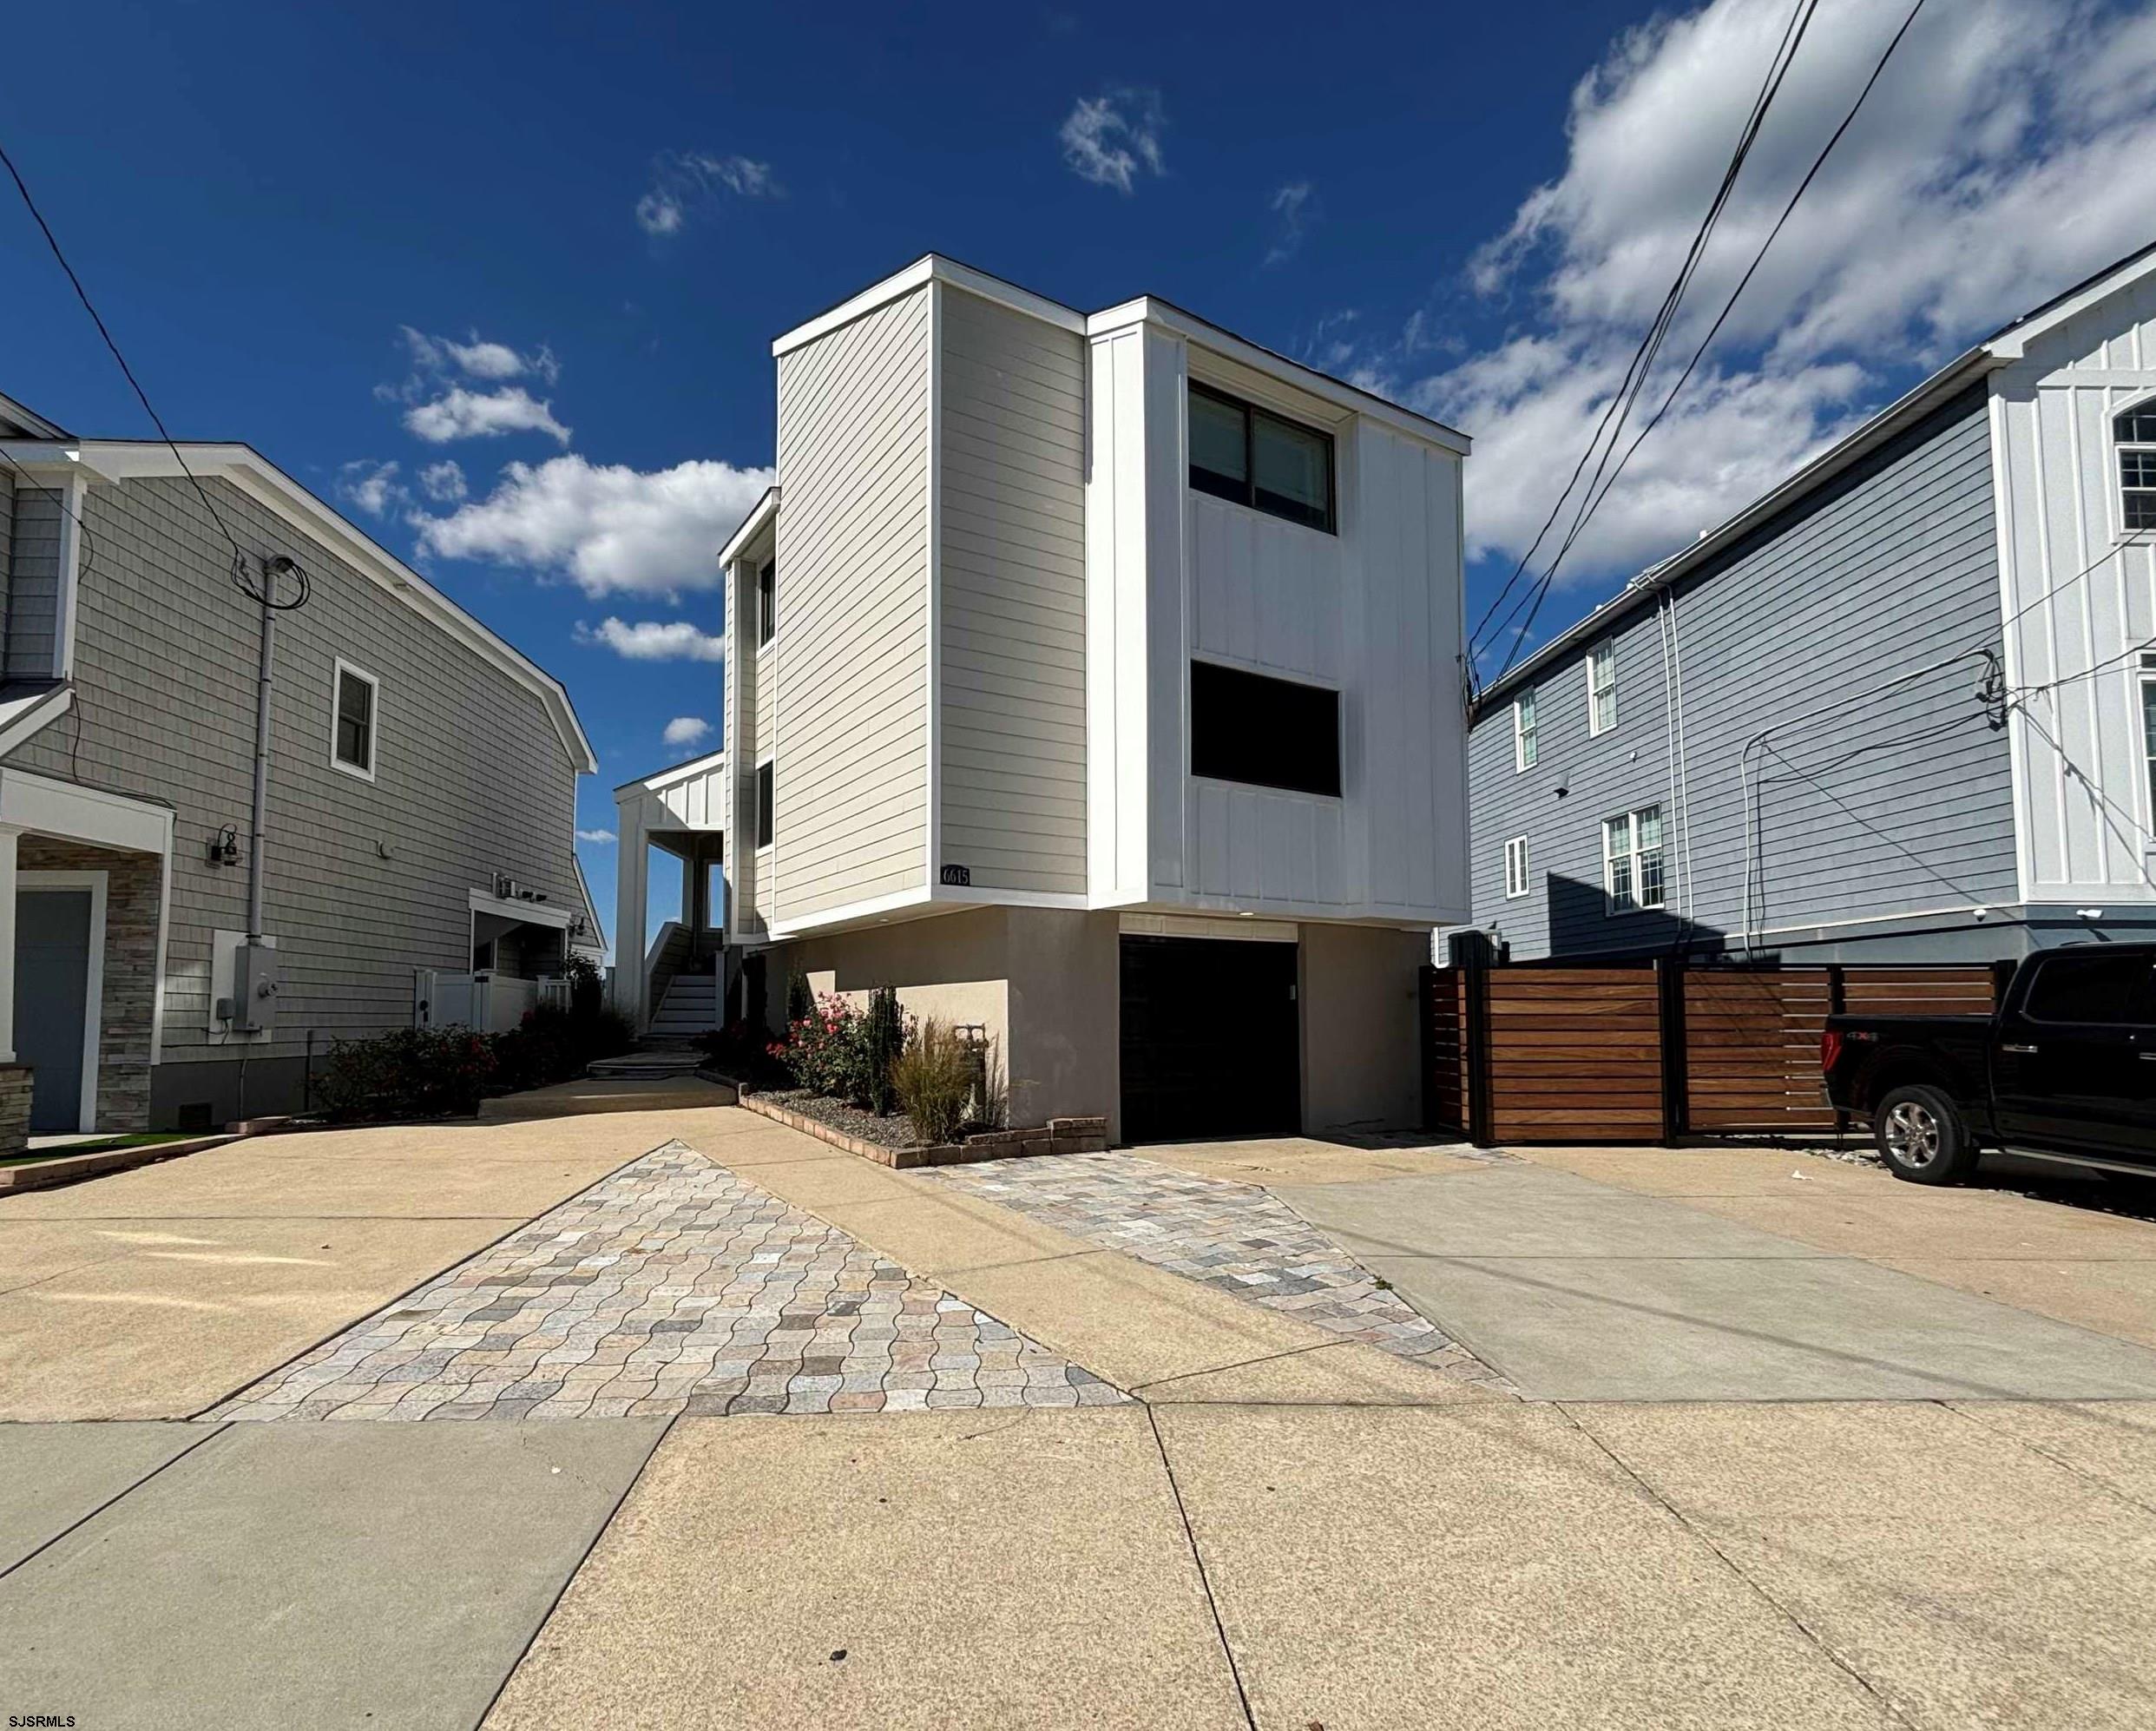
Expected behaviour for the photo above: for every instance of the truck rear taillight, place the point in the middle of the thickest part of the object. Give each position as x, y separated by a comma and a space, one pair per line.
1830, 1049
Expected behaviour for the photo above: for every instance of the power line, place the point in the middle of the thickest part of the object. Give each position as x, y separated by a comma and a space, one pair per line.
1636, 375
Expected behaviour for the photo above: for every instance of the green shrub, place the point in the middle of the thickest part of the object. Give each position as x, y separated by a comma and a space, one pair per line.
408, 1073
800, 1002
883, 1037
828, 1051
933, 1079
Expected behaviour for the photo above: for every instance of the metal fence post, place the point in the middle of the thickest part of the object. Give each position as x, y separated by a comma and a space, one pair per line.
1669, 979
1426, 1032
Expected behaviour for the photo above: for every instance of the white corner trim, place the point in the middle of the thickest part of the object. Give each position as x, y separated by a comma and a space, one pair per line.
933, 267
532, 913
94, 986
932, 626
342, 668
70, 596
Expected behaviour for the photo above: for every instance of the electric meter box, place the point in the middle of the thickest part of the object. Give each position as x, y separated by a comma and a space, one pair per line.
254, 989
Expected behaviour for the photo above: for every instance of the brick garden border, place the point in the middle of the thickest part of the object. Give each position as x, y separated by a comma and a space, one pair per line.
1059, 1135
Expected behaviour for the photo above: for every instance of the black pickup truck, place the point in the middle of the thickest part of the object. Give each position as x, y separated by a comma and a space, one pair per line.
2065, 1069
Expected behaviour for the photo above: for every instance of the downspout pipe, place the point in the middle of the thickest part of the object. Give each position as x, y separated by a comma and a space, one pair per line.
257, 848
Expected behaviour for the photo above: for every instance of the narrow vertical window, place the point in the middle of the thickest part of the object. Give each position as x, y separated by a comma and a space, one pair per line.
353, 721
2134, 433
1516, 868
1601, 665
1523, 732
765, 808
766, 603
2148, 732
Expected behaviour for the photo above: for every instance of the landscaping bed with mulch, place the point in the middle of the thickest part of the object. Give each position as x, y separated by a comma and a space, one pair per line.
893, 1130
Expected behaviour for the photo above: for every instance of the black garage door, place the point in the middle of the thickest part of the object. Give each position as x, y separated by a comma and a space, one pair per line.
1210, 1042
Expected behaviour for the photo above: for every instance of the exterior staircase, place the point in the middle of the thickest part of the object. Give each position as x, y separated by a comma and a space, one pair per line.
689, 1008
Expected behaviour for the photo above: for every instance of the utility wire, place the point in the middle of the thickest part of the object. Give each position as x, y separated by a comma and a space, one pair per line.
1759, 258
1636, 377
267, 596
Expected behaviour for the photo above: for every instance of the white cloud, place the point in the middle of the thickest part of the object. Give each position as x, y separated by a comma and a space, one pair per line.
654, 640
458, 413
1111, 140
607, 527
371, 487
442, 481
477, 357
687, 182
1993, 165
686, 730
595, 835
1291, 207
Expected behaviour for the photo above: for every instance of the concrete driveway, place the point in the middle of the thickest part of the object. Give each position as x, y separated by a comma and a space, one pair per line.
1294, 1511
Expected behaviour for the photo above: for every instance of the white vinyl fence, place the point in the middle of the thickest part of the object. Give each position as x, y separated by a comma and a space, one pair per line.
487, 1002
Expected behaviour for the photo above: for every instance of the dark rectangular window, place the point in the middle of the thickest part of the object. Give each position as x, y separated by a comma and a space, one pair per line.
355, 721
766, 603
1269, 732
763, 804
1242, 452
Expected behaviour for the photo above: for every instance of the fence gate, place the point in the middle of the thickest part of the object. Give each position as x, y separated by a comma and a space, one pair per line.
1750, 1040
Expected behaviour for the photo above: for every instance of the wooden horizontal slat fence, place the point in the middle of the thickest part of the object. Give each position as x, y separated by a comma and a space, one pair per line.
1644, 1052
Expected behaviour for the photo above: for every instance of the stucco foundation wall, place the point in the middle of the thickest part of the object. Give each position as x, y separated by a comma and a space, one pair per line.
134, 886
1043, 983
1360, 1068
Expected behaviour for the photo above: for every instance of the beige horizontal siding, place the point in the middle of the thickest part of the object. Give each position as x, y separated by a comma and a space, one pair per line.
1013, 619
846, 677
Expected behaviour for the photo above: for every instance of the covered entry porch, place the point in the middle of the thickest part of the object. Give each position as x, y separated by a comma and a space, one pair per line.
84, 879
672, 978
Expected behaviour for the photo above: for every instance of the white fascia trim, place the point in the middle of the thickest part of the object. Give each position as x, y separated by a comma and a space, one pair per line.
825, 918
70, 813
761, 513
990, 898
35, 715
268, 485
2013, 344
708, 764
932, 268
531, 913
1163, 316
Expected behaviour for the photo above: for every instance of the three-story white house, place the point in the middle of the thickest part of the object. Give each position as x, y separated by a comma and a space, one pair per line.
1095, 679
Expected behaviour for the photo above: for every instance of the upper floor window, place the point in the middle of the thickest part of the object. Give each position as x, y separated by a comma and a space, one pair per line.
1602, 675
2135, 432
1523, 741
1632, 862
1266, 733
1242, 452
2148, 732
765, 805
766, 603
352, 721
1516, 868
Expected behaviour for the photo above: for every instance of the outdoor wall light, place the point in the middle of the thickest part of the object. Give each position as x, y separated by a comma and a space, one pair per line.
224, 846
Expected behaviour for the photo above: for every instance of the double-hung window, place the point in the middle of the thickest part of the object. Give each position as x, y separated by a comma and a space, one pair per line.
1257, 458
766, 603
1516, 868
352, 721
1632, 862
1602, 676
2134, 433
1523, 741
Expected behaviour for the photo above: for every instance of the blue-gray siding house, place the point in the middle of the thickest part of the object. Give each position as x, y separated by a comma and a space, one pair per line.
1904, 708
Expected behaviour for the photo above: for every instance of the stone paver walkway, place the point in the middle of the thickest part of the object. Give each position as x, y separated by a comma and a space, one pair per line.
1238, 1238
671, 1285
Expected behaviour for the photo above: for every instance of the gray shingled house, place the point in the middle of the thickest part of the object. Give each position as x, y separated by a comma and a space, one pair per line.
420, 798
1902, 708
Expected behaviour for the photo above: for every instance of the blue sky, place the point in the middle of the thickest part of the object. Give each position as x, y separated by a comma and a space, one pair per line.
549, 245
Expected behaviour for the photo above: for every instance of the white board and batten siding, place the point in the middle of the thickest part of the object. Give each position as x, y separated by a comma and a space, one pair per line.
851, 795
1372, 612
1011, 626
2080, 593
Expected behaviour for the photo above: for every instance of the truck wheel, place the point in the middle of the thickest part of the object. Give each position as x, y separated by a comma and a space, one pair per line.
1921, 1135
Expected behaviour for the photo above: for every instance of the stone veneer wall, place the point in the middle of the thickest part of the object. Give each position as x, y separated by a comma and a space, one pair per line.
132, 886
15, 1104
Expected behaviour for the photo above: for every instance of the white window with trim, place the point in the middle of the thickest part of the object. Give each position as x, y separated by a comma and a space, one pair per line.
2148, 734
2134, 433
1523, 741
355, 719
1516, 868
1601, 679
1632, 862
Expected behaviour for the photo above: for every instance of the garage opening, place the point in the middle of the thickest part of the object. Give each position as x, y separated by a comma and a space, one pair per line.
1211, 1039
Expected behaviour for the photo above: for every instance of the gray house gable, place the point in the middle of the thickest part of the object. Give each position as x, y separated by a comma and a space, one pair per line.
1812, 713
